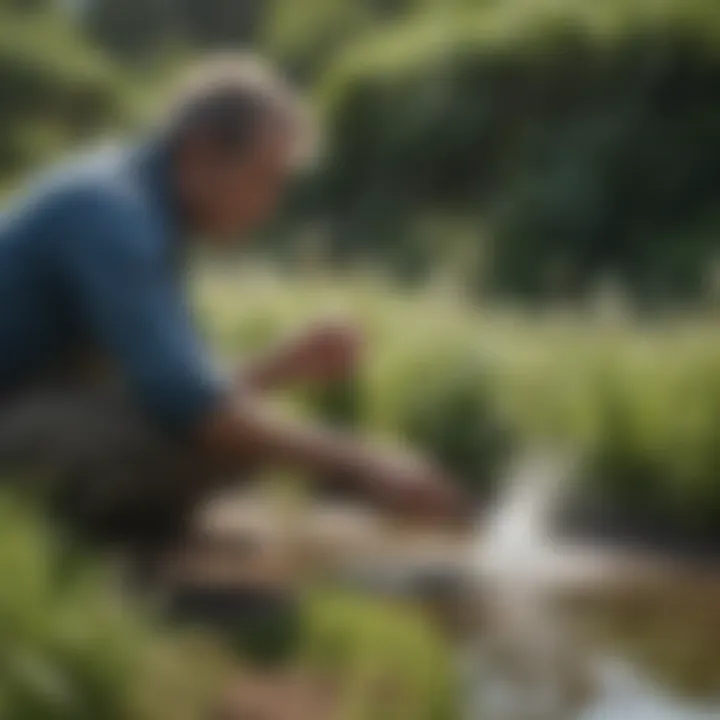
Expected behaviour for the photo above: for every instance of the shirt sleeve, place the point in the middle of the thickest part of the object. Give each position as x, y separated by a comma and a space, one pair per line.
125, 291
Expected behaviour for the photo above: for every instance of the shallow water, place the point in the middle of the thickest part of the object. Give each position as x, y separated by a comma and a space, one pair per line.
569, 633
625, 695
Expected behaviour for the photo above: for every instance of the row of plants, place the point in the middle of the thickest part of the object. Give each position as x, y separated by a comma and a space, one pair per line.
638, 402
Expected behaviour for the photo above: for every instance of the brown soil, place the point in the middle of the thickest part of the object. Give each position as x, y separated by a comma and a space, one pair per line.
279, 696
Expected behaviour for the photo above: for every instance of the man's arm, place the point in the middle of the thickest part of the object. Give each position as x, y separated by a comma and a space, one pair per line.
236, 431
124, 290
130, 301
324, 351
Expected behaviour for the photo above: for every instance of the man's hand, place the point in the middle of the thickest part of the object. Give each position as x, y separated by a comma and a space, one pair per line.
410, 486
250, 431
325, 351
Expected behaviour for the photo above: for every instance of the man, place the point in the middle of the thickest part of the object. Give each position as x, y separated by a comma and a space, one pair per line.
104, 382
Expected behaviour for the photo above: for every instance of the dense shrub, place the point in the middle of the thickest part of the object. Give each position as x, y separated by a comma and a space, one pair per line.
654, 462
387, 659
54, 88
307, 38
70, 648
442, 400
92, 656
585, 135
424, 383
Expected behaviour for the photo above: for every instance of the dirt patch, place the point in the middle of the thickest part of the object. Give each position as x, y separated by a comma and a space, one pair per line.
280, 696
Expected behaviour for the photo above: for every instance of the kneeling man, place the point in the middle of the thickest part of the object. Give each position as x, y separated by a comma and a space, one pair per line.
106, 389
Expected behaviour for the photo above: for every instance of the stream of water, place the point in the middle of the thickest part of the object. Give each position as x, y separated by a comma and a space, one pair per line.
568, 633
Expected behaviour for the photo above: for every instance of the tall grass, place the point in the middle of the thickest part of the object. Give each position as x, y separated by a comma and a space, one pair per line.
640, 400
71, 649
388, 662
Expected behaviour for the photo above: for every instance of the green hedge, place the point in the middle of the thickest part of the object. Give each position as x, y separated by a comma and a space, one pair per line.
585, 135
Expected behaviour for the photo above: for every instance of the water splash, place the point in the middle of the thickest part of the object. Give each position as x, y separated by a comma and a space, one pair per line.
526, 661
523, 665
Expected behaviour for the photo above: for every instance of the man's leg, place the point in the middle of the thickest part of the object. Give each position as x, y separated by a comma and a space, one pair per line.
102, 469
112, 477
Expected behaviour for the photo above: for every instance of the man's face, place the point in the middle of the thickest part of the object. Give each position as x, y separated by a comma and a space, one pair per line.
234, 194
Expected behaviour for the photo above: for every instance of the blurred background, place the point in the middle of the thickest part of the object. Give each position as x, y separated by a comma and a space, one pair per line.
519, 200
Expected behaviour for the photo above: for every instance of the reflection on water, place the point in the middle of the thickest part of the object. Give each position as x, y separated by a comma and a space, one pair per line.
567, 633
624, 695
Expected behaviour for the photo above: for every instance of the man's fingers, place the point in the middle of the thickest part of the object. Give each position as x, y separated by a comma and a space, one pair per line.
443, 502
430, 498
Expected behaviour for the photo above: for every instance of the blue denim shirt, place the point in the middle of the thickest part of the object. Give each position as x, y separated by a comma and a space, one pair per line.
88, 261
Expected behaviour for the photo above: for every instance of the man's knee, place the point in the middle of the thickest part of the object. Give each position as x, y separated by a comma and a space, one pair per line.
96, 460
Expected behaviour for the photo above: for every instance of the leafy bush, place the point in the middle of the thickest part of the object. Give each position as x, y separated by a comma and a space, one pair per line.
368, 659
307, 39
71, 650
585, 135
442, 400
54, 88
424, 383
655, 460
386, 658
71, 647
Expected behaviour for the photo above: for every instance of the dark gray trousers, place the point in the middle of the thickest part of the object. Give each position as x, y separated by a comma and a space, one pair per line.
100, 466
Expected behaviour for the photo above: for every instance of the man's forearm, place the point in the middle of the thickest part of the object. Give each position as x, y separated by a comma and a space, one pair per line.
238, 432
267, 372
322, 352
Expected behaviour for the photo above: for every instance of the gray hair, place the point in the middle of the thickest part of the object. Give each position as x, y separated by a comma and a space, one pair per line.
230, 98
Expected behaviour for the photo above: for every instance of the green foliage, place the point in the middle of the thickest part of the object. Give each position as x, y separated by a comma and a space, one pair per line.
213, 23
584, 134
640, 403
54, 89
142, 31
71, 650
132, 29
378, 659
655, 455
307, 37
386, 658
339, 402
441, 399
425, 383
